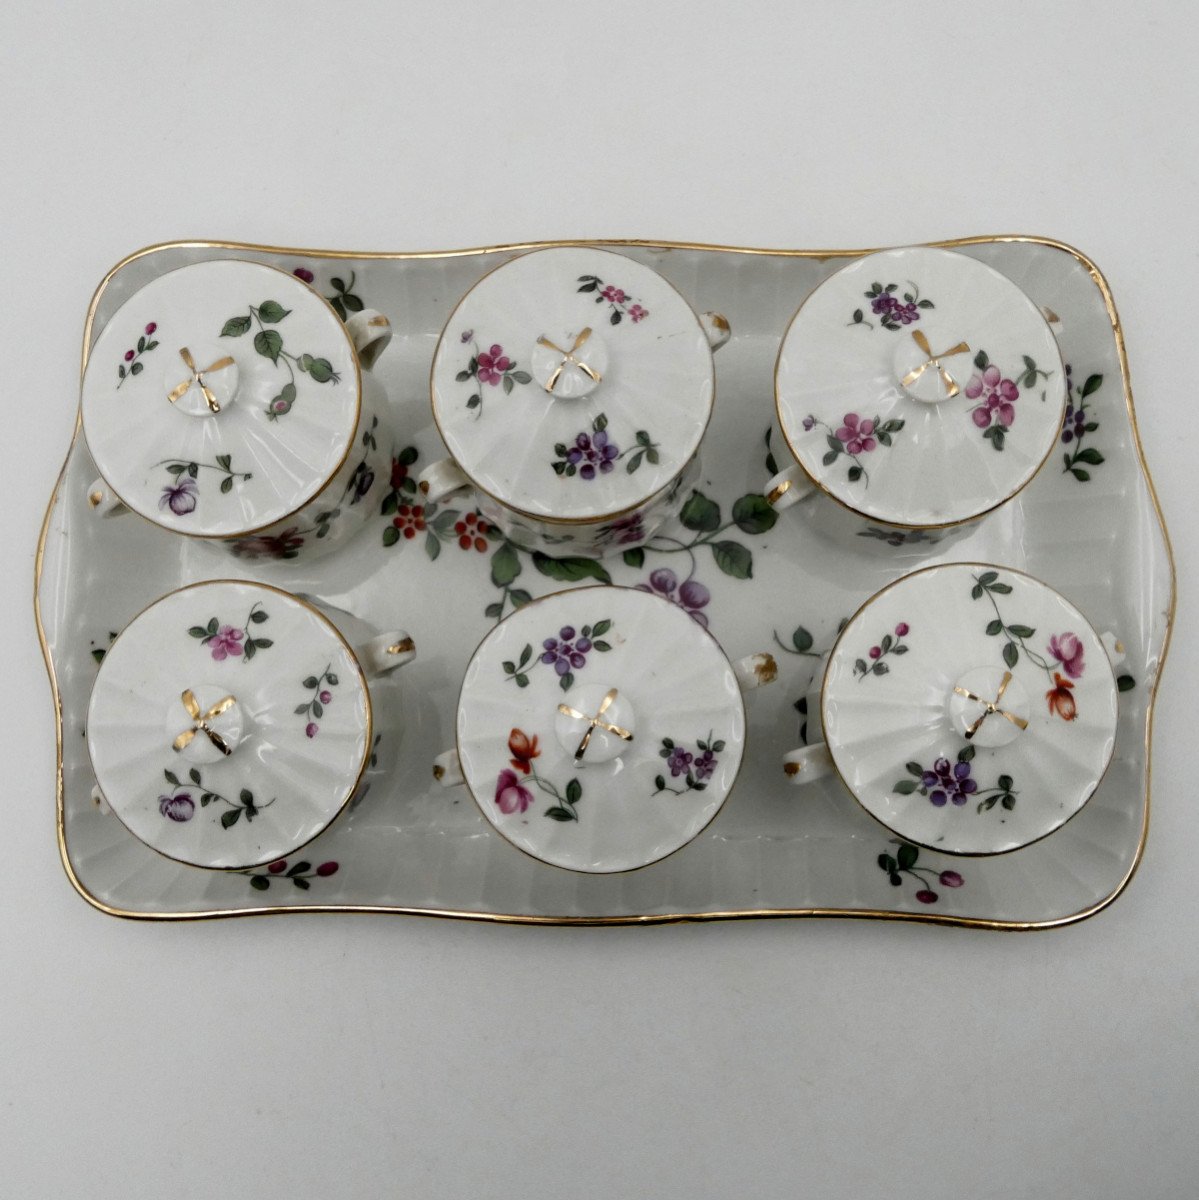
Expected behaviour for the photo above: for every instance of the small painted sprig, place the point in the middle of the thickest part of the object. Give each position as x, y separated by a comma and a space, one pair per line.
854, 437
179, 806
226, 641
618, 300
695, 768
901, 537
321, 698
752, 514
903, 862
269, 343
1080, 421
873, 663
945, 782
566, 653
299, 874
490, 367
892, 313
988, 584
133, 364
360, 482
594, 451
222, 463
511, 795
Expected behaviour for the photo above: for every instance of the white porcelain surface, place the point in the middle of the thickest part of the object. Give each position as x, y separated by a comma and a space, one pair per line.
631, 431
623, 802
298, 733
897, 725
912, 453
414, 846
287, 405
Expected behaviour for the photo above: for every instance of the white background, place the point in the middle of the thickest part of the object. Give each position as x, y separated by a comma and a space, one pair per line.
354, 1056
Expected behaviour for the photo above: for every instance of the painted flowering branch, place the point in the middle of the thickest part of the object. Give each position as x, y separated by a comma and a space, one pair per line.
566, 653
618, 300
945, 782
178, 805
892, 312
299, 874
321, 698
226, 641
696, 768
133, 364
903, 862
890, 644
269, 343
595, 451
751, 514
854, 437
490, 367
511, 796
1078, 422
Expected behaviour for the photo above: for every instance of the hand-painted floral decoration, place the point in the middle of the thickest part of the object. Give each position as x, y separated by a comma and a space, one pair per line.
489, 367
268, 342
620, 303
947, 782
891, 643
854, 437
691, 768
133, 364
230, 641
566, 653
178, 804
893, 311
512, 797
595, 452
903, 862
314, 707
1064, 649
1080, 421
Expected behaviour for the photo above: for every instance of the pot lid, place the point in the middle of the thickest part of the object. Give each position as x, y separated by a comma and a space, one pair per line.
920, 386
229, 724
970, 708
221, 398
600, 729
572, 383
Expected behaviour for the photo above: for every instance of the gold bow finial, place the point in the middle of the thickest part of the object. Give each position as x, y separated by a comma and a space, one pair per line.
596, 722
934, 360
197, 376
568, 356
991, 706
200, 722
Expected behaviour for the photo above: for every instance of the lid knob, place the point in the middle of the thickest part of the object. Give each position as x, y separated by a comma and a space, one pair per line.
923, 373
597, 727
200, 379
989, 707
570, 367
208, 726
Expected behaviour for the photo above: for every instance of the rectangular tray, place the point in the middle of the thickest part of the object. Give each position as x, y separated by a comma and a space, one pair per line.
1094, 531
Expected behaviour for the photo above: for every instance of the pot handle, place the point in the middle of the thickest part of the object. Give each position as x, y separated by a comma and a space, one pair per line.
1114, 648
102, 500
806, 764
440, 479
370, 331
447, 769
787, 488
386, 652
754, 670
717, 328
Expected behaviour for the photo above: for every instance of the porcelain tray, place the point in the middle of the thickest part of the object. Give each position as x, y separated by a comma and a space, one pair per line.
1089, 525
